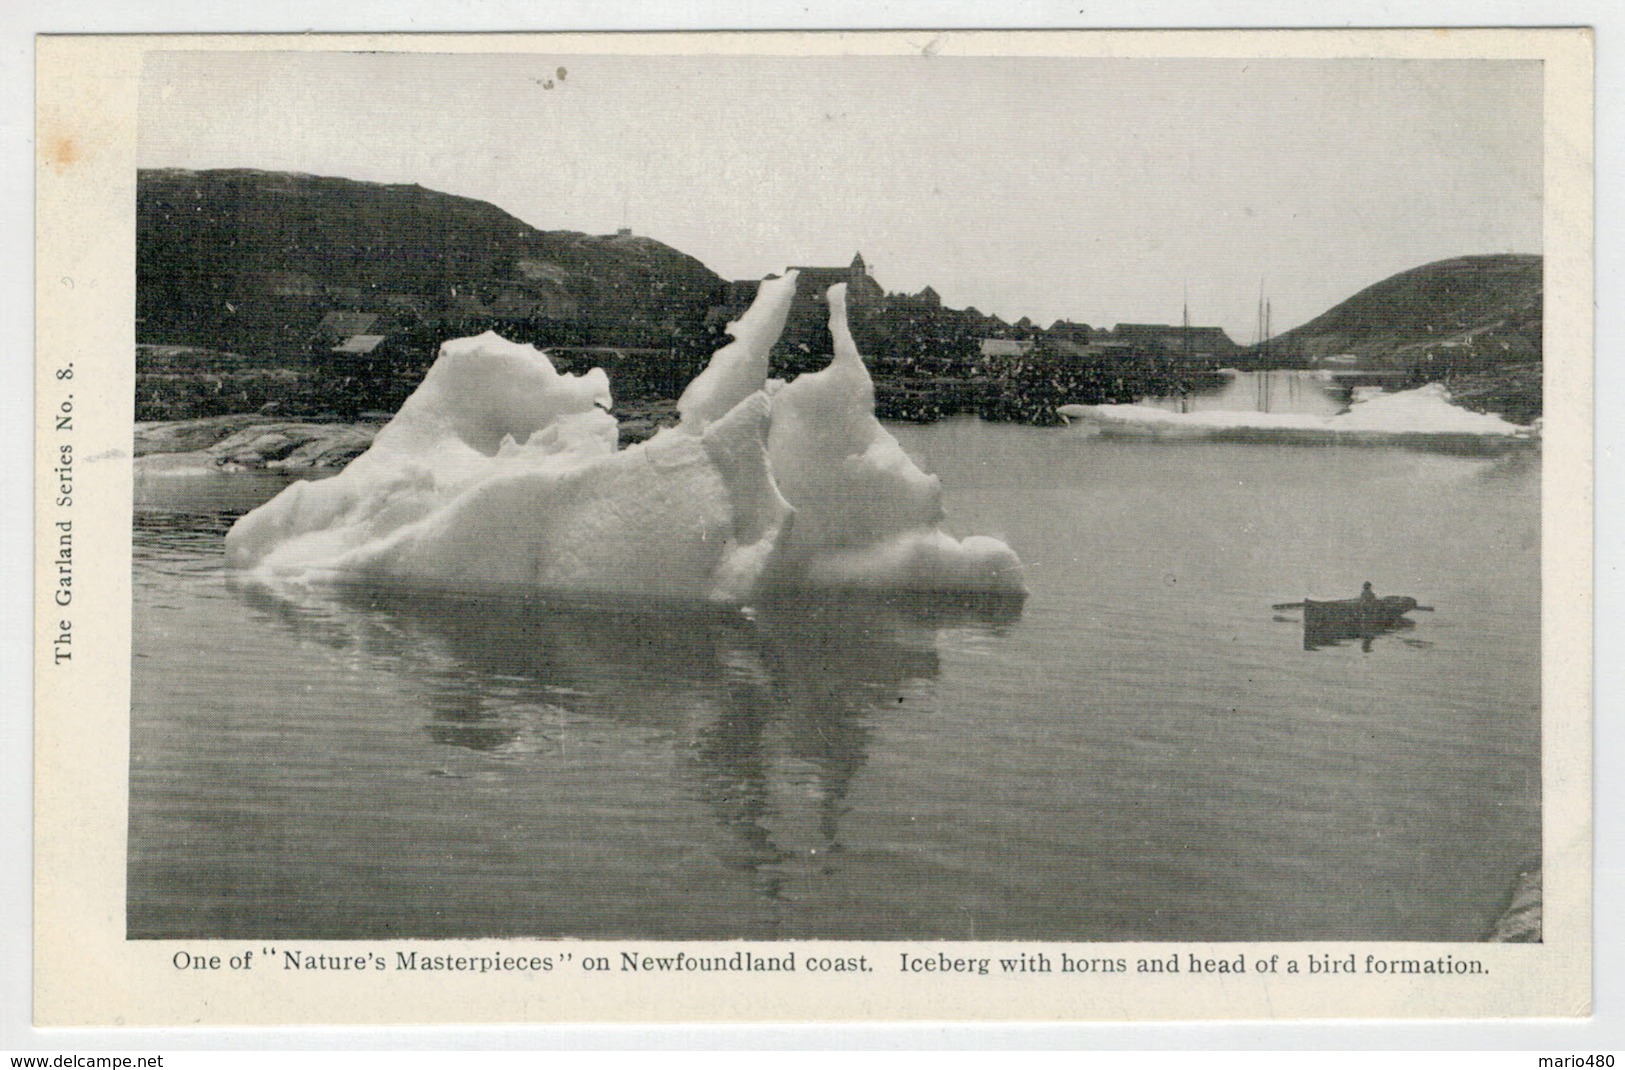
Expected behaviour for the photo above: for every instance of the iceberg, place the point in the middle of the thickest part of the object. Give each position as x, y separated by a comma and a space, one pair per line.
1425, 415
499, 474
866, 515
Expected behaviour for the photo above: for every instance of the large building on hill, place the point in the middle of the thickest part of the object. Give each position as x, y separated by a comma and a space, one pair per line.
806, 329
812, 283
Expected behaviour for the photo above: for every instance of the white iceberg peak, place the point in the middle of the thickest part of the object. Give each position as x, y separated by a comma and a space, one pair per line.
739, 369
499, 473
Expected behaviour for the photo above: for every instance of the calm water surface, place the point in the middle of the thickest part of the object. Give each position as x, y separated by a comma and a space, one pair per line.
1144, 751
1266, 391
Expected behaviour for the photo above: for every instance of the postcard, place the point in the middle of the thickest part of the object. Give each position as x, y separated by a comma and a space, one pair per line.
1023, 526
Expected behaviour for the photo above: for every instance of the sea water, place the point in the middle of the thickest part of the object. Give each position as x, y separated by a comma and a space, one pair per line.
1145, 750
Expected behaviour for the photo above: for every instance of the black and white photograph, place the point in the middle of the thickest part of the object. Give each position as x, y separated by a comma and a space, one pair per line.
784, 511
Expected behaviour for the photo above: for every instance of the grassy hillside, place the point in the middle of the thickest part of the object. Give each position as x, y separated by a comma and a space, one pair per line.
1463, 314
251, 261
1473, 323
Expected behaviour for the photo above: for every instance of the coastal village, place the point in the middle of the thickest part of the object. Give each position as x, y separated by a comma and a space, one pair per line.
299, 296
929, 361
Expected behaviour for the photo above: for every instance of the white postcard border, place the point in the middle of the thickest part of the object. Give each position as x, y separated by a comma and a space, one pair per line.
86, 973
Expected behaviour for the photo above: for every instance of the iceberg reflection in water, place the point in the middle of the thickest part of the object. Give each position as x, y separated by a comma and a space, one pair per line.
653, 664
763, 719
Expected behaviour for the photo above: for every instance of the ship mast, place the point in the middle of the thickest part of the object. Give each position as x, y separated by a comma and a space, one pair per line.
1267, 335
1186, 333
1258, 328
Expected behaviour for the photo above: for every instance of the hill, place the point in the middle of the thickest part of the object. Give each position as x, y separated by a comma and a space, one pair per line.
256, 263
1459, 316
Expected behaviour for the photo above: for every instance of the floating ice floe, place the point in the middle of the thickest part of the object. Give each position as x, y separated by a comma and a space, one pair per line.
1425, 415
499, 473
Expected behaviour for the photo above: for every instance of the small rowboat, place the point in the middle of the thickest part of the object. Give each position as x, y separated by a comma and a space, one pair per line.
1327, 623
1386, 612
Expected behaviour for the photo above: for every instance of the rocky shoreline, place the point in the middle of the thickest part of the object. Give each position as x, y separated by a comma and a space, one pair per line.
1512, 391
250, 441
1520, 921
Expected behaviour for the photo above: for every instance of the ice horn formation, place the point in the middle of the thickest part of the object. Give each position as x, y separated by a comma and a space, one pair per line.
739, 369
499, 473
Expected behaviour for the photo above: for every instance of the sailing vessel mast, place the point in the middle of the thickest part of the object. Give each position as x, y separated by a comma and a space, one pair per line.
1185, 334
1259, 337
1267, 371
1263, 349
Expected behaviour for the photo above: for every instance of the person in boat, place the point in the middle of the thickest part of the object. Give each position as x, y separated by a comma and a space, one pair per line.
1366, 593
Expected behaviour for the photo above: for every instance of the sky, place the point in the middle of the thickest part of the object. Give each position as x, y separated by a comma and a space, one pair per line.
1097, 190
